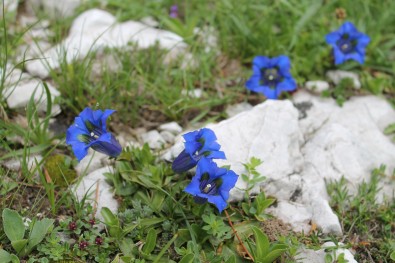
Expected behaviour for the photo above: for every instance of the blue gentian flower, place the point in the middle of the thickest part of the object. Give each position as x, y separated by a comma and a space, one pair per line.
212, 184
271, 76
198, 144
348, 43
89, 130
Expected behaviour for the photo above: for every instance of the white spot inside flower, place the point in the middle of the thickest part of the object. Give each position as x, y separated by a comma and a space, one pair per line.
207, 188
344, 46
271, 77
92, 134
196, 153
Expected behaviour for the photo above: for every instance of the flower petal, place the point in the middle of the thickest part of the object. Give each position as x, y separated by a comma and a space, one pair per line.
347, 28
288, 84
363, 40
261, 62
103, 118
80, 150
269, 92
332, 38
183, 162
190, 136
216, 155
253, 83
284, 65
339, 56
107, 144
217, 200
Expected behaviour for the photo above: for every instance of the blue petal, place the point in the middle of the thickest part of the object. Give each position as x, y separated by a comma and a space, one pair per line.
229, 180
210, 146
363, 40
73, 132
193, 187
103, 118
357, 57
190, 136
217, 200
332, 38
284, 65
253, 83
87, 114
183, 162
107, 144
80, 150
339, 56
261, 62
347, 28
288, 84
206, 166
216, 155
192, 146
269, 93
208, 135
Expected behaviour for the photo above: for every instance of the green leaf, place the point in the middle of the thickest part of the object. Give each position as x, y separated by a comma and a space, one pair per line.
5, 257
231, 259
109, 217
389, 129
40, 229
262, 243
277, 250
187, 258
392, 256
150, 241
18, 245
13, 225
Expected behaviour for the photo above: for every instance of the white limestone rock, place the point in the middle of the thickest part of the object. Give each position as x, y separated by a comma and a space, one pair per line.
55, 9
317, 85
235, 109
336, 77
168, 136
172, 127
93, 161
154, 139
300, 150
305, 255
88, 186
15, 164
97, 29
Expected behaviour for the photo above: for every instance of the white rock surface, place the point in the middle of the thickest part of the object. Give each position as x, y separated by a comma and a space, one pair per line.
172, 127
235, 109
300, 151
88, 187
167, 136
18, 93
10, 8
93, 161
318, 256
195, 93
317, 85
97, 29
154, 139
336, 77
54, 8
15, 164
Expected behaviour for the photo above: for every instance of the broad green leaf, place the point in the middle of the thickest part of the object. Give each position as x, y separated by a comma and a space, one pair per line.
18, 245
39, 231
275, 253
109, 217
261, 242
389, 129
392, 256
13, 225
150, 241
187, 258
231, 259
5, 257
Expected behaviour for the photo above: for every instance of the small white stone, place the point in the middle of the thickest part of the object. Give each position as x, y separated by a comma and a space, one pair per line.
348, 256
93, 161
336, 77
15, 164
195, 93
317, 85
172, 127
149, 21
88, 187
235, 109
168, 136
154, 139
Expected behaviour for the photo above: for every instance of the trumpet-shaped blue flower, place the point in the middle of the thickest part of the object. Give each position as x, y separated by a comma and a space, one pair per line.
212, 184
271, 76
198, 144
89, 130
348, 43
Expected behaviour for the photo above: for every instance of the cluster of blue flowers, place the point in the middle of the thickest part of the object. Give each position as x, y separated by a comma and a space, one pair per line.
271, 76
210, 183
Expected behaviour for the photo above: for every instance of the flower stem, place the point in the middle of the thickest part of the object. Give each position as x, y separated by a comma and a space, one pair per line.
238, 237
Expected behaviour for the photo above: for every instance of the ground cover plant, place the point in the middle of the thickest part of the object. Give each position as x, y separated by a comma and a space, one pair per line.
179, 211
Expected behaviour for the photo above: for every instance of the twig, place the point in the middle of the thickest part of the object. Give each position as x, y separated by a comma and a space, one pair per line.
237, 235
96, 198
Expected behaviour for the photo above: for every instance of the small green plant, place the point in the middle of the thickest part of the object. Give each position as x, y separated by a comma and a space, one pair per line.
341, 92
216, 228
262, 250
253, 177
14, 229
390, 130
258, 206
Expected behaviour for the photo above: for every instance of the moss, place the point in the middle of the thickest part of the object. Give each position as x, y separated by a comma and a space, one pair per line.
60, 169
